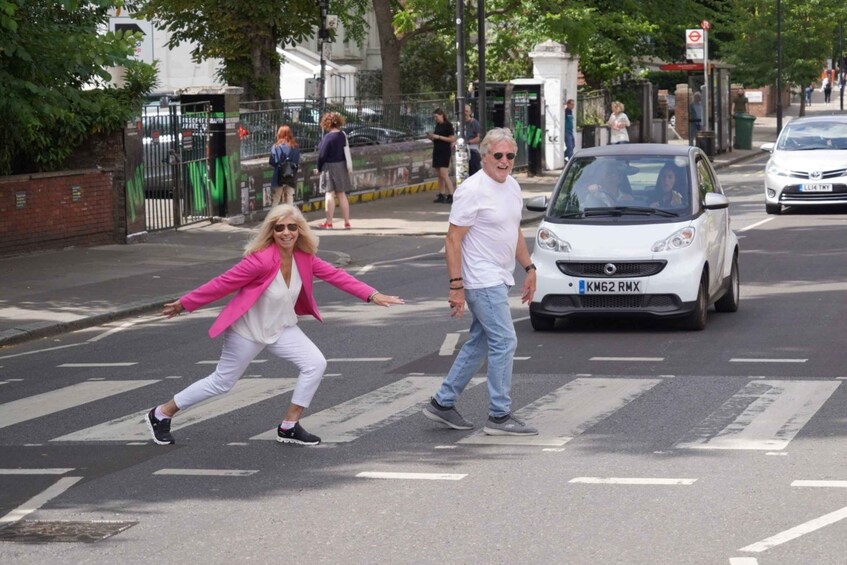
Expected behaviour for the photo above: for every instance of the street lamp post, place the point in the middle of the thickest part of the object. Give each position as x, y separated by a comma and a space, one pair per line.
461, 152
323, 35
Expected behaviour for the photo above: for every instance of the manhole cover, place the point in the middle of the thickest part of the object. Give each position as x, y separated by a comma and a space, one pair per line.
32, 531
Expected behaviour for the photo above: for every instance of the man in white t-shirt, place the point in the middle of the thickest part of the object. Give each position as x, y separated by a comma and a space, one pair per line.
483, 242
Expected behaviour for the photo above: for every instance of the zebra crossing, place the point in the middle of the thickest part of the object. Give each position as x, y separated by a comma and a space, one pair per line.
762, 414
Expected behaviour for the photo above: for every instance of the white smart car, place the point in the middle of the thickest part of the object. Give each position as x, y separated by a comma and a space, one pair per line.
635, 230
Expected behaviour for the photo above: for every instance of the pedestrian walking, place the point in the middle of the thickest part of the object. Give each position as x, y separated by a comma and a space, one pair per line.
333, 170
273, 285
442, 141
473, 135
809, 90
827, 90
483, 242
285, 159
618, 122
570, 142
695, 116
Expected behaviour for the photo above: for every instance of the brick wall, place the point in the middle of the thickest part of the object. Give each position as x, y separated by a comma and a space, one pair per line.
56, 210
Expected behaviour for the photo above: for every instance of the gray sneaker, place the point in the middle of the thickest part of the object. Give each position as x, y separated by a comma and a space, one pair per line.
508, 426
450, 417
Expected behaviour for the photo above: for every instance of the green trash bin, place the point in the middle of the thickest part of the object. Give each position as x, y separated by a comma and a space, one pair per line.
744, 130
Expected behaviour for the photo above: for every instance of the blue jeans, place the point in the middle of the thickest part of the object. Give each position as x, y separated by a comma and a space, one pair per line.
570, 143
492, 334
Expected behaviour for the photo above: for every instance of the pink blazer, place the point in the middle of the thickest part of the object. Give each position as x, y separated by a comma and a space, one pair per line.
253, 274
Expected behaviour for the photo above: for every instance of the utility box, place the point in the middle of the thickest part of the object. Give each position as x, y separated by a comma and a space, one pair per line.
313, 88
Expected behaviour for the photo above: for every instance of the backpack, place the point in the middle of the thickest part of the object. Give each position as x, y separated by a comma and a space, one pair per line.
286, 167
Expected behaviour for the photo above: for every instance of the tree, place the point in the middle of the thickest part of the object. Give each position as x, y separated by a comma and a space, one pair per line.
54, 86
245, 35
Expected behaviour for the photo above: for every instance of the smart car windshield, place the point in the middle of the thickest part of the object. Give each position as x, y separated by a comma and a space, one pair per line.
616, 186
810, 136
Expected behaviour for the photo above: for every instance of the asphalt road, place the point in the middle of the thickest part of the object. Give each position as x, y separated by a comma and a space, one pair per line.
657, 446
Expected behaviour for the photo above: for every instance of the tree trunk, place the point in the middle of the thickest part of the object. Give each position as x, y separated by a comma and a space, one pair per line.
390, 50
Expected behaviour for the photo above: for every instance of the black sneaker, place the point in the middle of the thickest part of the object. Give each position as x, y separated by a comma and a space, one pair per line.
439, 199
159, 429
296, 435
449, 199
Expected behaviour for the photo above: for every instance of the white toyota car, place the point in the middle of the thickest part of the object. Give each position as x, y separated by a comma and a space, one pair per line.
635, 230
808, 164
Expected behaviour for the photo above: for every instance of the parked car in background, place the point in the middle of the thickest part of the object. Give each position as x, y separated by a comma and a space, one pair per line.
808, 164
635, 230
374, 135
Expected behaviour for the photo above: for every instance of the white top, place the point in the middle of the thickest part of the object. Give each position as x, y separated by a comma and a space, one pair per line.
273, 311
492, 210
618, 135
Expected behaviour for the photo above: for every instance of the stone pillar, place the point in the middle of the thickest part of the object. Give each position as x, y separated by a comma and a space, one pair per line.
553, 64
225, 147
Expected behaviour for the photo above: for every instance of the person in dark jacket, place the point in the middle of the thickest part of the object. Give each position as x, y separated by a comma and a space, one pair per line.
332, 166
286, 157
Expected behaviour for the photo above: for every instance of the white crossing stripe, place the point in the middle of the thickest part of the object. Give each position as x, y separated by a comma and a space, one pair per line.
761, 360
773, 412
412, 476
46, 403
83, 365
358, 359
449, 345
743, 561
130, 428
39, 499
46, 471
797, 531
631, 481
207, 472
352, 419
570, 410
819, 483
629, 359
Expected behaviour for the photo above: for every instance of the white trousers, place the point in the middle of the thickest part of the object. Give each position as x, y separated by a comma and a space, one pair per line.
292, 345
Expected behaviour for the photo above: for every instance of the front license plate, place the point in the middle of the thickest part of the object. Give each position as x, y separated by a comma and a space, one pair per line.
611, 287
816, 187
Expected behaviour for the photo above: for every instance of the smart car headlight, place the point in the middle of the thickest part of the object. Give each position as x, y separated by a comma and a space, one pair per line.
546, 239
678, 240
775, 169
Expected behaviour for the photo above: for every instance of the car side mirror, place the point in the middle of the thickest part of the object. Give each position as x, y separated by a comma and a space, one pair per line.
715, 201
537, 204
768, 147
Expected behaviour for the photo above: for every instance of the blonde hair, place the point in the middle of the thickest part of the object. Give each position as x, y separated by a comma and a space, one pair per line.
617, 104
307, 241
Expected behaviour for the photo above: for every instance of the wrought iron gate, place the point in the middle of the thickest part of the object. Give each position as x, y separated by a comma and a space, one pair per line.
176, 165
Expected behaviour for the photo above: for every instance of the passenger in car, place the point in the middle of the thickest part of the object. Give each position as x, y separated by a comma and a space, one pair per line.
670, 187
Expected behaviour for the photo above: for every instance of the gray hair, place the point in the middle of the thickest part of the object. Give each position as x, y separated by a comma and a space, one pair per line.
495, 136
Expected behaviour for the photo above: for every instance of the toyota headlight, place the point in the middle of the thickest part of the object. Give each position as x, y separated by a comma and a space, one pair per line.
546, 239
678, 240
774, 169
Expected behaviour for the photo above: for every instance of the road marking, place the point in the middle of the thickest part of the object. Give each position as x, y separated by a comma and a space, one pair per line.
124, 326
570, 410
358, 359
631, 481
743, 561
88, 365
55, 471
636, 359
449, 344
46, 403
753, 226
207, 472
814, 483
350, 420
797, 531
412, 476
130, 428
753, 360
42, 350
216, 361
773, 413
40, 499
370, 266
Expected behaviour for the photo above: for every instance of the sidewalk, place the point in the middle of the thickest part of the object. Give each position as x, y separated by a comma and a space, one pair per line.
52, 292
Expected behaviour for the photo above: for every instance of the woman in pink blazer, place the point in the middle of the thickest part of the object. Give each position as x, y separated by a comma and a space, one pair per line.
273, 285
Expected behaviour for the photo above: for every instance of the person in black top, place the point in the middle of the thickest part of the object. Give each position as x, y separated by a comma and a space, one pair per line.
442, 141
332, 165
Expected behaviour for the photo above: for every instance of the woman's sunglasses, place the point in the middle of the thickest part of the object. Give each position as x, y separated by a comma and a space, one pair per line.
509, 156
279, 228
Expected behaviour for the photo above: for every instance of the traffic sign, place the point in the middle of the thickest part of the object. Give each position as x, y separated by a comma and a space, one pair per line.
694, 44
706, 24
693, 37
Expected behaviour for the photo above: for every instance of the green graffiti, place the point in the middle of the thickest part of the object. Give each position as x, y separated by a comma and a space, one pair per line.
135, 192
198, 180
227, 169
528, 133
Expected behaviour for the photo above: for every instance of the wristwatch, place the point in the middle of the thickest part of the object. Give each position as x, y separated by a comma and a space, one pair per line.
530, 267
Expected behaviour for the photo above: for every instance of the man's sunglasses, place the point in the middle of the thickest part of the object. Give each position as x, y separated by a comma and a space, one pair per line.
509, 156
279, 228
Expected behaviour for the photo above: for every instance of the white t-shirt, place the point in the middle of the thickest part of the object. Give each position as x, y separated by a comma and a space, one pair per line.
273, 311
492, 211
618, 135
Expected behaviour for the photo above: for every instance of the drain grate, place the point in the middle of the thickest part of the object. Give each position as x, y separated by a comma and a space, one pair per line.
33, 531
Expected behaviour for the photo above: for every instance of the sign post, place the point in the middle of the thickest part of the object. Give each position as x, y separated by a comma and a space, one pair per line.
705, 25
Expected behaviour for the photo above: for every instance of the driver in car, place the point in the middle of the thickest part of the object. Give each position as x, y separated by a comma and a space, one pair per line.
607, 191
